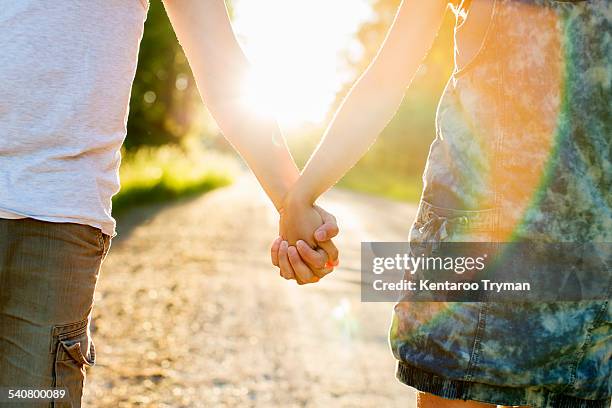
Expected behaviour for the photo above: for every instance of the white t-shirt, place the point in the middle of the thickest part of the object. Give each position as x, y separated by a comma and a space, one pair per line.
66, 72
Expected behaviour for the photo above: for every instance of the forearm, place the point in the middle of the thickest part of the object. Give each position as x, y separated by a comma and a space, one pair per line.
220, 69
374, 99
362, 116
261, 145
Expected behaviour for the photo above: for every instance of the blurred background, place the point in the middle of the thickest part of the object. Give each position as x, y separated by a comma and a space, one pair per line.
323, 48
189, 311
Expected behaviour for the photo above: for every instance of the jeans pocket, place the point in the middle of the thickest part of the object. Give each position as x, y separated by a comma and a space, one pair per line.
74, 352
434, 225
105, 243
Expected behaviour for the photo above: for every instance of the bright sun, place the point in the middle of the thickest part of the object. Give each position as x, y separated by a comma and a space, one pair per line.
300, 50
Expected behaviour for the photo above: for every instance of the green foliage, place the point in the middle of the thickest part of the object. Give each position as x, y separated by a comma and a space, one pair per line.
382, 183
161, 160
160, 174
164, 97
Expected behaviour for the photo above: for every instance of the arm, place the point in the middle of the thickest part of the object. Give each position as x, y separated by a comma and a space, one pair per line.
220, 68
364, 113
373, 100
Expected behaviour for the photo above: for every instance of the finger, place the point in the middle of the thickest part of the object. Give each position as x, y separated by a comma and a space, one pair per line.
321, 273
274, 251
331, 251
301, 270
327, 268
286, 270
315, 259
328, 229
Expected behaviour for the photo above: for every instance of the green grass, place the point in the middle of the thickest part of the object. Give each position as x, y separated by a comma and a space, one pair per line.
153, 175
383, 183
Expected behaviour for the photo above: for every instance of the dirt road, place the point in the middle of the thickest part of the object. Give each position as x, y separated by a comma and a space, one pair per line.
190, 313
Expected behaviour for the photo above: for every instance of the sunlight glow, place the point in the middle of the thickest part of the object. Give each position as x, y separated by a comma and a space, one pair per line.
304, 49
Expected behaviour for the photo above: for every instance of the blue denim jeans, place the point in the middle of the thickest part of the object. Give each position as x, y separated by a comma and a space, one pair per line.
48, 273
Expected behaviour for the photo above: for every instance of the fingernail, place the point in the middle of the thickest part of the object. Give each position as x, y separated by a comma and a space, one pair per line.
292, 250
320, 235
284, 245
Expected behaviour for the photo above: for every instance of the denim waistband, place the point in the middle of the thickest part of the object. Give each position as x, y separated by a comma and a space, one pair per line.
474, 220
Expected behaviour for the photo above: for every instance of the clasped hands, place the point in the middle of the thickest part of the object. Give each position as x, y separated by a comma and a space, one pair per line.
304, 250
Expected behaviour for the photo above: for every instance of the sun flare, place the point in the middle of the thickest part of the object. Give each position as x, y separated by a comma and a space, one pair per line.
302, 51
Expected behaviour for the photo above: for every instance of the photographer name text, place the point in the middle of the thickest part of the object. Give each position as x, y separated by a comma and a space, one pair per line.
428, 285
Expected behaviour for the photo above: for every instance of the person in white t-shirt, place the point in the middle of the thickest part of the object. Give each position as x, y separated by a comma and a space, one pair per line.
66, 70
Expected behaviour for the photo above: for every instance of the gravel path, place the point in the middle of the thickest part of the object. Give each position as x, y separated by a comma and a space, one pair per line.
190, 313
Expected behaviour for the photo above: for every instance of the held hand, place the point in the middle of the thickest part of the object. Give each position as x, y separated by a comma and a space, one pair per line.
298, 220
302, 263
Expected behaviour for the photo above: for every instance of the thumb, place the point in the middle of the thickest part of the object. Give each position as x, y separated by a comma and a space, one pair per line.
328, 229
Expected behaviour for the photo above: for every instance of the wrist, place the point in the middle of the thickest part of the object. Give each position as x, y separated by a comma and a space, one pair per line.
294, 199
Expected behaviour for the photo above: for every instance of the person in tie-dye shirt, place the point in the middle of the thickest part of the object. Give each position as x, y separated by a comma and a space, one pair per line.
522, 152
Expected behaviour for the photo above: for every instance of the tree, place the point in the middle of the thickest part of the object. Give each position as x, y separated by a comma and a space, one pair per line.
164, 97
